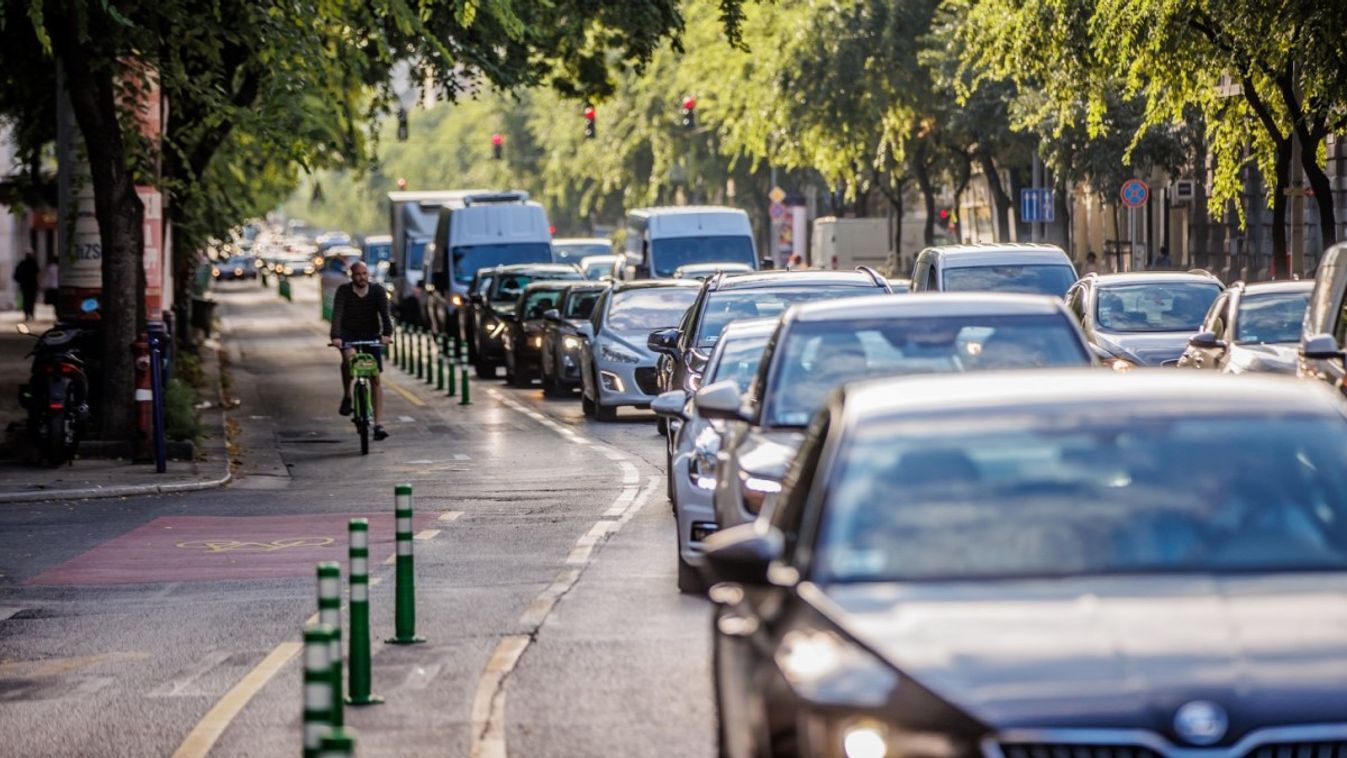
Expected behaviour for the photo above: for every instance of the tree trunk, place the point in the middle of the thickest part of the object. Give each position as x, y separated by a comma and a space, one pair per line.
1281, 253
923, 174
1016, 185
1323, 194
1001, 202
94, 100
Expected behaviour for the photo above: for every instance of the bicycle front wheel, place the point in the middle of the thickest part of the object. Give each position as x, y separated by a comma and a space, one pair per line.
364, 438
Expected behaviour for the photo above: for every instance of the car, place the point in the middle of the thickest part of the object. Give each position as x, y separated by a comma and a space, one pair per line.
1251, 327
702, 271
1142, 318
818, 346
562, 342
1000, 267
684, 348
900, 286
617, 367
601, 267
495, 302
660, 240
523, 337
576, 249
690, 455
1322, 336
1064, 563
235, 267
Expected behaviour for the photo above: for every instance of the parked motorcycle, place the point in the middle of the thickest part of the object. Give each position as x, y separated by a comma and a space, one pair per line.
57, 394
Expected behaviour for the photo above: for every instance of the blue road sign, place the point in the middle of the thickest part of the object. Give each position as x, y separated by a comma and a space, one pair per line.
1036, 205
1134, 193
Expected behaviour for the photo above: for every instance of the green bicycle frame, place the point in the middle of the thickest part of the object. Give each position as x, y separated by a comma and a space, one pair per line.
363, 370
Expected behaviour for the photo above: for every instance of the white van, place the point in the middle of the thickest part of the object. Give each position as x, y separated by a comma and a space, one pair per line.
842, 244
660, 240
999, 267
479, 231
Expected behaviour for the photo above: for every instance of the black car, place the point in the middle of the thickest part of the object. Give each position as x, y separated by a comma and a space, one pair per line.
523, 337
561, 340
494, 301
728, 297
1142, 318
1065, 563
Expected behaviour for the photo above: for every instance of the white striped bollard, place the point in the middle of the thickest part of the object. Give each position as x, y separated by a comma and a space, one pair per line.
329, 613
360, 670
404, 599
318, 696
338, 745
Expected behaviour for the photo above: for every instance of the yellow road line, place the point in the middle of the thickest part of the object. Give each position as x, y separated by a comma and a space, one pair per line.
217, 719
409, 397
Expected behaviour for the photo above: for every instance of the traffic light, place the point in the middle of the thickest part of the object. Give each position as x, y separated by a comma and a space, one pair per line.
689, 112
402, 124
589, 122
497, 146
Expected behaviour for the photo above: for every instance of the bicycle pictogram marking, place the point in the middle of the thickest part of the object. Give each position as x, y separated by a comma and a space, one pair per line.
228, 546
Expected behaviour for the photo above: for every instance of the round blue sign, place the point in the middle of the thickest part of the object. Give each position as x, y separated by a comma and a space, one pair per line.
1134, 193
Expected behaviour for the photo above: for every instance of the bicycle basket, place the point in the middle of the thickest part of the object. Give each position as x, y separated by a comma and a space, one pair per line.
364, 363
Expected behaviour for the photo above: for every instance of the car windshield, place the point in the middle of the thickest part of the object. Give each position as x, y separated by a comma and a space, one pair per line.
1035, 279
469, 258
572, 252
668, 253
416, 254
641, 311
816, 357
539, 302
380, 252
1271, 318
1083, 491
512, 284
1155, 307
739, 359
725, 306
580, 304
596, 269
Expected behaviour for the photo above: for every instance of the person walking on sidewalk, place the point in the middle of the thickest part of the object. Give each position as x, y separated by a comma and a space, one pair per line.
26, 275
361, 313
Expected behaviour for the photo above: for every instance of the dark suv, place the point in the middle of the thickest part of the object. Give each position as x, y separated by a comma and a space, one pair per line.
729, 297
493, 305
523, 337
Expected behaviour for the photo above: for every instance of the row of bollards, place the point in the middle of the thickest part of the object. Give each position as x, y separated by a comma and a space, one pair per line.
438, 361
324, 732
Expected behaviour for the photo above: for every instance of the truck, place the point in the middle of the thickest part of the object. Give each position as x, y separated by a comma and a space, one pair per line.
845, 243
412, 219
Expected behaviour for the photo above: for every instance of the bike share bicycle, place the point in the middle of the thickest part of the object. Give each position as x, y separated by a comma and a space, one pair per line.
364, 367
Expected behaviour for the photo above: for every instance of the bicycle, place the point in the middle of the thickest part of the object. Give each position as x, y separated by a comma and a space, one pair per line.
364, 367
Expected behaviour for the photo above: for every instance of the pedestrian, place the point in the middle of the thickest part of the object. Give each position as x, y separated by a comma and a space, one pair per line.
26, 275
1163, 260
797, 263
51, 282
1091, 263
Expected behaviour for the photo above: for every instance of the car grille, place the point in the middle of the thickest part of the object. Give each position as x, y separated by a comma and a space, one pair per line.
648, 380
1061, 750
1335, 749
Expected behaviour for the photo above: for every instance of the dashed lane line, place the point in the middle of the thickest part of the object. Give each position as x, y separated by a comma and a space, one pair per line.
409, 397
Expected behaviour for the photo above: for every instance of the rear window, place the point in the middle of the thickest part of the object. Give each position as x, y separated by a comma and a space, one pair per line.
726, 306
1033, 279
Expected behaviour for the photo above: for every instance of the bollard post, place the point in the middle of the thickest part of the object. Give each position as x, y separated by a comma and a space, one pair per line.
439, 372
404, 599
406, 364
393, 352
420, 350
431, 358
361, 677
453, 381
338, 745
463, 378
318, 698
329, 613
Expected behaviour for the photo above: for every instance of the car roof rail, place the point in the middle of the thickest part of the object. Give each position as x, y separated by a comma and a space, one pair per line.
878, 278
488, 198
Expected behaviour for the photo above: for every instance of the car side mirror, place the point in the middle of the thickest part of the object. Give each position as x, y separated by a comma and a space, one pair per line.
721, 400
663, 340
670, 403
553, 315
1205, 340
742, 554
1320, 347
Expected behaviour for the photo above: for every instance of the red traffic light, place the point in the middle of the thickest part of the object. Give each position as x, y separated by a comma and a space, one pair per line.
689, 103
590, 113
944, 214
497, 140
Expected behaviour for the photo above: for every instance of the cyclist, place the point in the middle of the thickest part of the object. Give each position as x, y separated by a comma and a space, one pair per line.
361, 312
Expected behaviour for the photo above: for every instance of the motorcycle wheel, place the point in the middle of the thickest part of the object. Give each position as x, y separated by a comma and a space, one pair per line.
56, 451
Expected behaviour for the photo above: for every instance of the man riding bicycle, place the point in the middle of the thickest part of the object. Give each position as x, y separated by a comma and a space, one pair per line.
361, 313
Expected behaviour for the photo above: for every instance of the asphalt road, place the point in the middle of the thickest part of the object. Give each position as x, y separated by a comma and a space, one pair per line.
545, 570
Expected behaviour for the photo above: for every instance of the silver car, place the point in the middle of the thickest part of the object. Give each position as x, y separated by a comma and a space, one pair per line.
617, 367
1251, 328
690, 469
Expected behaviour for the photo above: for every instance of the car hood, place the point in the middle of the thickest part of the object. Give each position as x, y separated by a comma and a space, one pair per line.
1152, 349
638, 348
1273, 359
1114, 652
767, 453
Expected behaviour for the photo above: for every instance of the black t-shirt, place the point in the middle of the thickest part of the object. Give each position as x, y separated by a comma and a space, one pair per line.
361, 318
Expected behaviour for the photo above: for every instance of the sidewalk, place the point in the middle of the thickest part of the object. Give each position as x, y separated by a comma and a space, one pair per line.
21, 481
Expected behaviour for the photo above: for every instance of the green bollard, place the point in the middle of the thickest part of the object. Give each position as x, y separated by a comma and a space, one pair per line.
404, 609
430, 360
453, 382
329, 613
393, 346
361, 678
406, 350
420, 350
463, 399
439, 372
318, 699
338, 745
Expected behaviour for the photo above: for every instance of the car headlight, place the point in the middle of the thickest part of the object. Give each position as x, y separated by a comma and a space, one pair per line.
457, 300
536, 341
866, 738
570, 343
614, 354
824, 668
1121, 364
756, 489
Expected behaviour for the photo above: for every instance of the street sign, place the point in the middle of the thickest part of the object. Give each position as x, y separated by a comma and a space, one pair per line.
1036, 205
777, 194
776, 210
1134, 193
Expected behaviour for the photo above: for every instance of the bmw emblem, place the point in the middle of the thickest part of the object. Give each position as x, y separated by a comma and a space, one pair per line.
1201, 722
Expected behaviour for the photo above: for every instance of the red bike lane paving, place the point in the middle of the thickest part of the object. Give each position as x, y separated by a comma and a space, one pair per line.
205, 548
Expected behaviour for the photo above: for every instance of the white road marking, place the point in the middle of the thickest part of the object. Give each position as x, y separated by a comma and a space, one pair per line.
630, 475
449, 516
623, 500
406, 419
427, 534
462, 457
488, 704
